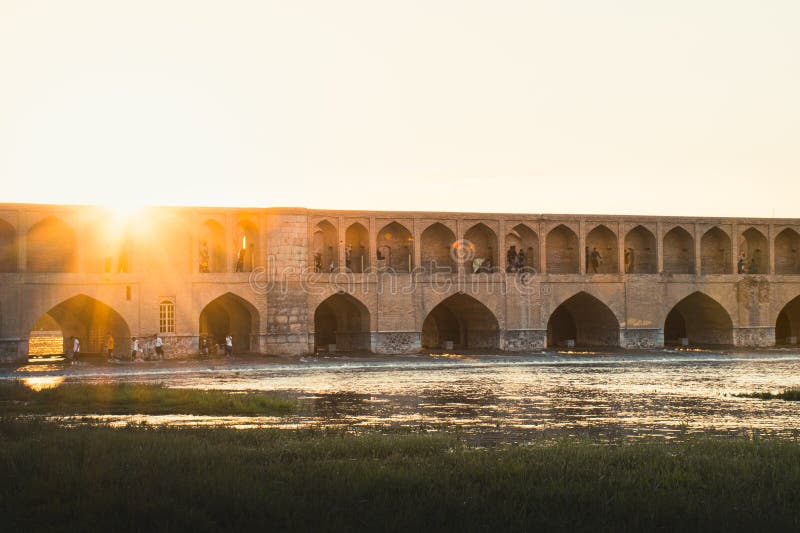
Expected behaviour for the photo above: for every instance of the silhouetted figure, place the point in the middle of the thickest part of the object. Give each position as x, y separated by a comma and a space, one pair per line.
520, 260
204, 257
753, 269
740, 264
628, 260
511, 259
594, 260
228, 345
317, 262
240, 261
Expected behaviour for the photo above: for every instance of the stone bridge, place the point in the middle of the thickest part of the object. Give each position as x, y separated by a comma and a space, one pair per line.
294, 281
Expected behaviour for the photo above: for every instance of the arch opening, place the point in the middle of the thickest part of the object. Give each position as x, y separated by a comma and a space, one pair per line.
341, 324
212, 247
325, 247
698, 320
246, 246
602, 254
229, 315
678, 252
86, 318
8, 247
787, 252
436, 247
463, 321
395, 248
562, 251
715, 250
787, 326
753, 253
640, 251
356, 256
522, 249
481, 254
584, 320
51, 247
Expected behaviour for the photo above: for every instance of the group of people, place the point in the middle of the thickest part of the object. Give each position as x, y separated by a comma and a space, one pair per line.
206, 344
241, 258
515, 260
144, 349
745, 267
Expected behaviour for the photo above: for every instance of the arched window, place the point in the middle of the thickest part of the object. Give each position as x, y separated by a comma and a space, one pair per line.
166, 316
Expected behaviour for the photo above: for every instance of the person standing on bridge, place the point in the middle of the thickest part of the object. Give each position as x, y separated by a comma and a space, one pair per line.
594, 260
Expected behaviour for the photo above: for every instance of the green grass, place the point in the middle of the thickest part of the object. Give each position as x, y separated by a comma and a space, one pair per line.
136, 398
792, 395
142, 478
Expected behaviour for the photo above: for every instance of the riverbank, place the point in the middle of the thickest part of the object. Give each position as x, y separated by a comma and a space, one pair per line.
211, 479
134, 398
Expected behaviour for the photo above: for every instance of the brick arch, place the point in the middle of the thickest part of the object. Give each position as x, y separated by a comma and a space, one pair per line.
585, 319
395, 244
604, 241
9, 249
715, 252
787, 322
640, 251
344, 321
699, 318
86, 317
51, 246
433, 298
230, 314
678, 251
356, 239
562, 250
787, 252
463, 320
436, 247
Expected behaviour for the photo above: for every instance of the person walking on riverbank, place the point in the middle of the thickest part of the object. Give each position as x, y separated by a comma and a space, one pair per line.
159, 346
134, 349
76, 349
228, 345
109, 346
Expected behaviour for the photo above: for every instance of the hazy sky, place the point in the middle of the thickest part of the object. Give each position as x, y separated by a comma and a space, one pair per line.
583, 106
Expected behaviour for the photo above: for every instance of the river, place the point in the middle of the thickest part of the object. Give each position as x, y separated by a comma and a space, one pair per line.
668, 394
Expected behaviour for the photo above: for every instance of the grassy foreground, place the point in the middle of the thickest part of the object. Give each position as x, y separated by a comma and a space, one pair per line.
211, 479
136, 398
792, 395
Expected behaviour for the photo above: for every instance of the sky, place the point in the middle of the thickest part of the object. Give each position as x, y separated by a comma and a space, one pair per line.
686, 107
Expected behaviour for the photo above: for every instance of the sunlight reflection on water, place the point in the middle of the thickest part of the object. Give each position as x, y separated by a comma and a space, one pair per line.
665, 394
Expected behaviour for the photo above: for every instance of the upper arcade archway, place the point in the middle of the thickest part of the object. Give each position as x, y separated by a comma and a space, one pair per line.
787, 252
462, 320
230, 314
395, 248
754, 252
526, 246
640, 251
86, 318
584, 320
482, 249
700, 320
436, 247
51, 247
246, 245
715, 252
325, 247
212, 247
562, 251
356, 256
341, 324
8, 247
678, 251
602, 252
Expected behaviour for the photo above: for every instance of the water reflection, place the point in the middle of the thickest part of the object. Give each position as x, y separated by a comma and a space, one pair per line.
43, 382
667, 394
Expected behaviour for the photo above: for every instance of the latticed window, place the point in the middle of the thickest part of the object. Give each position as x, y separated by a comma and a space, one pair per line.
166, 317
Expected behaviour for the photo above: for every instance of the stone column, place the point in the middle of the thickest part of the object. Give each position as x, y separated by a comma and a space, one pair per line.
771, 247
227, 247
734, 246
501, 244
373, 243
22, 241
194, 261
621, 246
341, 234
698, 249
417, 244
582, 246
460, 237
659, 247
542, 266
